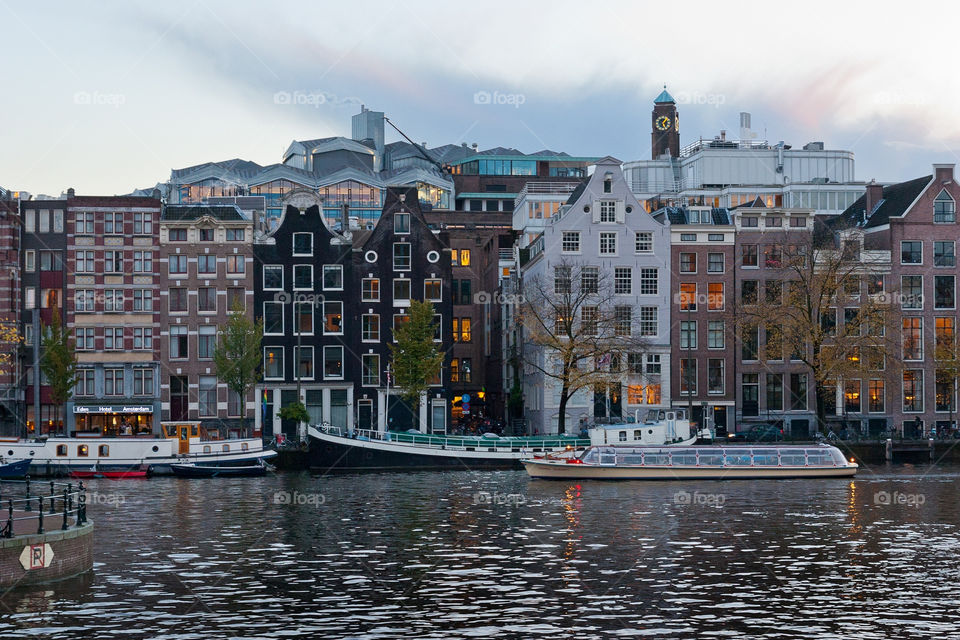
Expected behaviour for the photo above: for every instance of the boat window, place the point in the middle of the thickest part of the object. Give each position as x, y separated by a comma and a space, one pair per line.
819, 457
670, 415
792, 458
104, 451
61, 449
659, 459
623, 436
765, 458
226, 448
630, 458
244, 446
684, 459
206, 448
738, 458
660, 415
710, 459
591, 456
195, 430
638, 434
83, 450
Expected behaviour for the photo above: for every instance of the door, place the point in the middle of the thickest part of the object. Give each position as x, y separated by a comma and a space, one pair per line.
720, 420
184, 438
438, 419
365, 414
178, 398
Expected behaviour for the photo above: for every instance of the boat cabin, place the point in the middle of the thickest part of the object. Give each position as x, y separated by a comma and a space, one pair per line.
193, 438
659, 426
783, 456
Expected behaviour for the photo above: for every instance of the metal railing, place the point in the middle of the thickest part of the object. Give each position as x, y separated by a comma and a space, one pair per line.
464, 443
56, 507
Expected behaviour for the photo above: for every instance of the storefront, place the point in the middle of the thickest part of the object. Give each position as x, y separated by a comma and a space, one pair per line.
116, 420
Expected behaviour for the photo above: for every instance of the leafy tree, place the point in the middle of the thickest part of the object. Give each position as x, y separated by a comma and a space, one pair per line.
415, 359
58, 361
236, 355
295, 411
10, 340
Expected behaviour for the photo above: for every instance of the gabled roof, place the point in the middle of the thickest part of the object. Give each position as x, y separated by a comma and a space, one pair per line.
350, 173
894, 203
755, 204
608, 160
278, 171
410, 175
179, 212
501, 151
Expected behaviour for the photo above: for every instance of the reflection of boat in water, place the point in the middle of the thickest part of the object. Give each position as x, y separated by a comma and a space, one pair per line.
336, 449
710, 462
179, 442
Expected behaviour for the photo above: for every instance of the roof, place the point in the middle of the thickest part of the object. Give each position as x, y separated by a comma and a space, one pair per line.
175, 213
664, 97
894, 203
229, 170
577, 192
679, 215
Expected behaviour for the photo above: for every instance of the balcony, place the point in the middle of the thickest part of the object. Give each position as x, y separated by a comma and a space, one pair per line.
545, 189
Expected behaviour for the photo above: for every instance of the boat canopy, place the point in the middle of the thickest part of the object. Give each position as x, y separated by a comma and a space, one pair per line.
765, 456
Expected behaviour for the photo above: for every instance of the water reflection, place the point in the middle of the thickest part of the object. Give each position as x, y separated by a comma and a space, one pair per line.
457, 555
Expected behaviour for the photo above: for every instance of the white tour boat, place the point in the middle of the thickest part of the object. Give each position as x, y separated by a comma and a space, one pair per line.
179, 442
681, 463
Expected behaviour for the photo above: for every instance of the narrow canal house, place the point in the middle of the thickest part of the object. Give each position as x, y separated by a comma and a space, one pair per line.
401, 259
205, 266
11, 377
304, 289
112, 307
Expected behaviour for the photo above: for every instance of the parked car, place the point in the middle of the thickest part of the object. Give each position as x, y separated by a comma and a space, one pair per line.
757, 433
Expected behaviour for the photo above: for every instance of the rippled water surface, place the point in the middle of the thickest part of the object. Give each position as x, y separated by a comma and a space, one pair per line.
495, 555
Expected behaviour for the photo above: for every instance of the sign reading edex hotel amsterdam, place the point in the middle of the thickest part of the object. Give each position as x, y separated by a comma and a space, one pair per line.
113, 409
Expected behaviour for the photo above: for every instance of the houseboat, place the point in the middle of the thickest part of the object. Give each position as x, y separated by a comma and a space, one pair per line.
178, 442
683, 463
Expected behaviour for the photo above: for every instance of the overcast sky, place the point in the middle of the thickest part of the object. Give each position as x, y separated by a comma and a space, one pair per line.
109, 96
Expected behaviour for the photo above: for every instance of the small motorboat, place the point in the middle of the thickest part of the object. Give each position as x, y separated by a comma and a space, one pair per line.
191, 470
18, 469
116, 474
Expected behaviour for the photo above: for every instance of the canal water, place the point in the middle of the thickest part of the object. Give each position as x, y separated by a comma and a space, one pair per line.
495, 555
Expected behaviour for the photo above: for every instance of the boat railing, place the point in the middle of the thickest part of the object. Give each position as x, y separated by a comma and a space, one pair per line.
731, 458
35, 507
433, 441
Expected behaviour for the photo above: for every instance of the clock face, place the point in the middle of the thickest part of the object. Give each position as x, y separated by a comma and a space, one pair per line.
662, 123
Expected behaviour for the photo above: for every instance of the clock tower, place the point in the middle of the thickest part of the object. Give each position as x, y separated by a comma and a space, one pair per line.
665, 132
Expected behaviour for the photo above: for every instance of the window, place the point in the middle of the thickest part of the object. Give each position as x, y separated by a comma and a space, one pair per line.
234, 403
798, 222
177, 299
333, 277
401, 290
635, 364
401, 222
561, 280
688, 296
876, 396
207, 264
571, 242
749, 221
688, 263
649, 324
303, 318
303, 244
944, 331
715, 334
272, 277
913, 391
236, 235
143, 382
370, 290
688, 237
273, 318
29, 223
370, 328
371, 370
688, 375
84, 223
460, 257
455, 370
113, 261
874, 285
178, 342
688, 334
433, 290
31, 298
143, 223
828, 321
714, 263
304, 359
85, 262
113, 223
333, 317
714, 237
944, 392
273, 363
773, 350
85, 383
206, 235
589, 320
113, 382
113, 339
177, 264
644, 242
751, 255
653, 367
113, 300
207, 396
911, 252
774, 390
333, 363
773, 221
773, 256
649, 279
143, 338
177, 235
236, 264
750, 343
303, 277
30, 260
84, 300
466, 334
608, 243
50, 261
236, 299
143, 261
750, 394
465, 289
944, 209
608, 211
944, 254
207, 299
715, 301
401, 256
85, 339
911, 292
912, 338
623, 280
206, 341
623, 321
944, 292
798, 392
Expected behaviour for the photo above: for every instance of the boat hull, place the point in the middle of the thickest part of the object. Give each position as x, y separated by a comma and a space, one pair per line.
12, 470
549, 470
332, 454
195, 471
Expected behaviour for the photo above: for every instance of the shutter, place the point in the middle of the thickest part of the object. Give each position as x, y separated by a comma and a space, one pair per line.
620, 211
595, 210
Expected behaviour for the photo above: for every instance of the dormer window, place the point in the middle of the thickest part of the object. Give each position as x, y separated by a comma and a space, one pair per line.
607, 186
206, 235
944, 208
303, 244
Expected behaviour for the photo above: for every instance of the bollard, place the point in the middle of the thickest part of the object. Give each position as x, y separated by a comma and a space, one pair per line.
28, 507
889, 450
81, 508
40, 516
932, 457
10, 519
64, 527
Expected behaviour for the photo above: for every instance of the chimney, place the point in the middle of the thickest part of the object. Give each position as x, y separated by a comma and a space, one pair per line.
874, 195
71, 193
943, 173
723, 135
344, 219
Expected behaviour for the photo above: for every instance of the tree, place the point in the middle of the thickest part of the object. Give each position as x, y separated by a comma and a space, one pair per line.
58, 361
236, 355
576, 332
820, 305
295, 411
946, 354
10, 340
415, 359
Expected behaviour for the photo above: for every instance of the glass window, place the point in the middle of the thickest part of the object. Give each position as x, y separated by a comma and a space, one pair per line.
273, 363
644, 242
944, 290
750, 394
715, 297
608, 243
877, 396
207, 299
178, 342
649, 279
333, 317
911, 292
370, 290
944, 209
333, 277
433, 290
571, 242
177, 299
688, 296
370, 324
206, 341
236, 264
303, 244
207, 396
688, 375
623, 280
401, 222
273, 318
715, 334
688, 334
944, 254
401, 256
304, 359
688, 263
303, 318
913, 391
913, 338
371, 370
715, 263
911, 252
177, 264
332, 363
751, 255
649, 325
303, 277
206, 264
272, 277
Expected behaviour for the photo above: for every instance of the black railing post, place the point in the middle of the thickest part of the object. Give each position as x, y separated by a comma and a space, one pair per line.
28, 507
40, 515
70, 494
81, 506
64, 527
10, 518
52, 490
